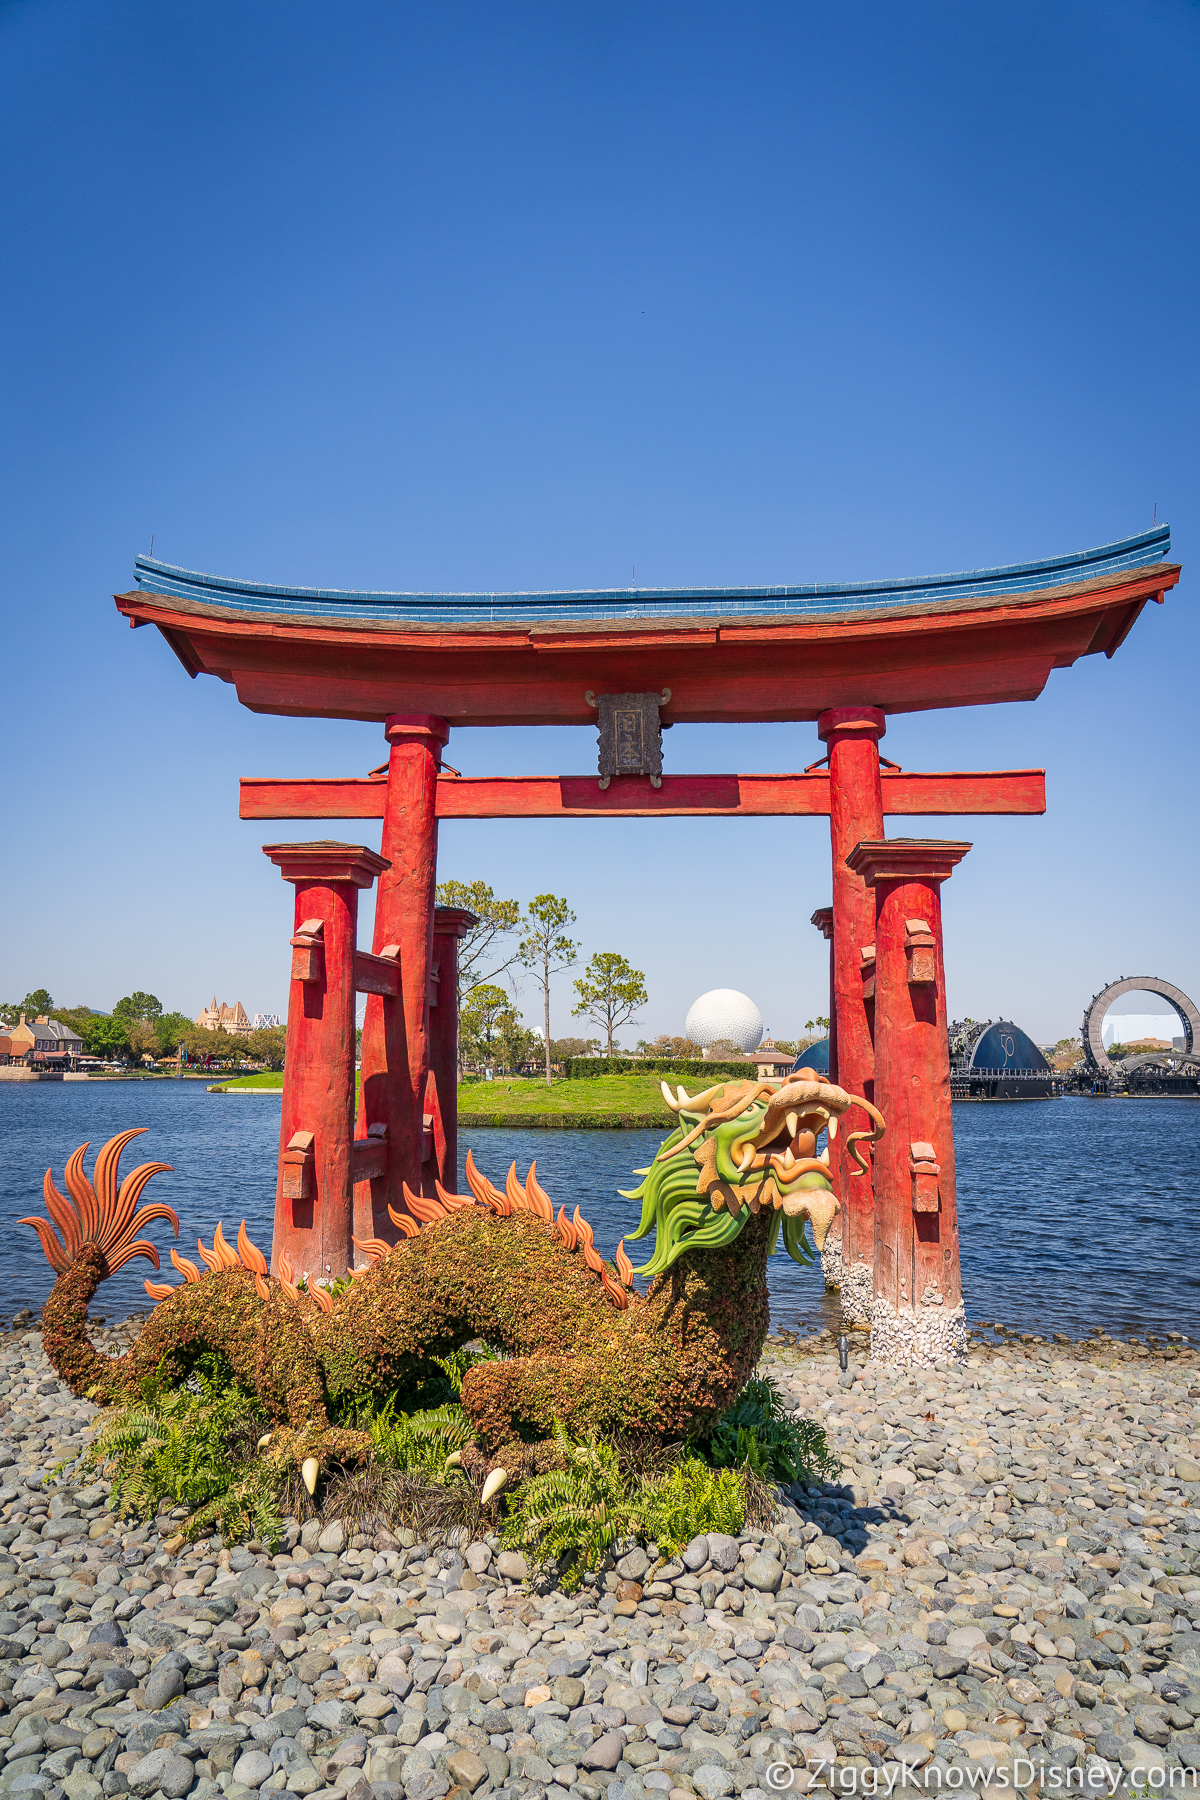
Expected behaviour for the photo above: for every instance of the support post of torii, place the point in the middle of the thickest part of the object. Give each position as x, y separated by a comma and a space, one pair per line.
917, 1314
395, 1040
450, 924
855, 812
831, 1255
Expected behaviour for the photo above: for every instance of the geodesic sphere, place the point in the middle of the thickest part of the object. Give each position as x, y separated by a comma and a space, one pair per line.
724, 1013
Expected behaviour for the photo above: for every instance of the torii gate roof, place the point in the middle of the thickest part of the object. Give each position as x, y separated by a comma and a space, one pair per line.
727, 654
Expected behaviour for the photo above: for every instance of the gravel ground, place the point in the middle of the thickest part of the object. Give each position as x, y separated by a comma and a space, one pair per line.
1001, 1588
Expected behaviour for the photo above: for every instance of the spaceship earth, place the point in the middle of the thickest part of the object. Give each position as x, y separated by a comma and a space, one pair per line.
724, 1013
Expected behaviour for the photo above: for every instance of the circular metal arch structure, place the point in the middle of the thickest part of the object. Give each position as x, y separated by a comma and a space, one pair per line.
1093, 1019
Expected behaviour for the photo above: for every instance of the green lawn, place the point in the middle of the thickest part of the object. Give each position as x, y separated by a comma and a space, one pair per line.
602, 1102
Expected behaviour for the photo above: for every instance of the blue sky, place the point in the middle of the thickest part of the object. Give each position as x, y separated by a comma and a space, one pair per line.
477, 297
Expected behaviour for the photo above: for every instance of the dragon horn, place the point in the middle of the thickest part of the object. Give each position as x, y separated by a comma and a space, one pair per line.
669, 1097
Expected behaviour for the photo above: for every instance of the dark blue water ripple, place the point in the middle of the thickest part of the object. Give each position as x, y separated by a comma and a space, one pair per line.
1073, 1212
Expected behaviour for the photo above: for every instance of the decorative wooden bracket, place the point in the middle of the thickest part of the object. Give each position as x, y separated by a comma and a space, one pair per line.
308, 951
920, 947
925, 1169
433, 1134
868, 971
378, 974
369, 1155
435, 982
299, 1161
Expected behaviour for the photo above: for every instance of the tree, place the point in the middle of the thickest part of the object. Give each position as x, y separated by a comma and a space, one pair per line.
34, 1005
268, 1046
482, 1019
817, 1023
610, 991
104, 1037
170, 1031
666, 1045
498, 919
547, 950
562, 1049
138, 1006
518, 1045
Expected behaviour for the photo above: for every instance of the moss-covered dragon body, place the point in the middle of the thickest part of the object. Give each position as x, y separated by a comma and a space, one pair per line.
579, 1345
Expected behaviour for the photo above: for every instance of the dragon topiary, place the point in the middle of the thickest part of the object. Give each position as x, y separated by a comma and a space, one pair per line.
581, 1346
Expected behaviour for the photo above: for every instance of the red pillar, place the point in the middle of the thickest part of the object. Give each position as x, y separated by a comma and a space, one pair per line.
450, 923
855, 812
314, 1191
395, 1041
917, 1312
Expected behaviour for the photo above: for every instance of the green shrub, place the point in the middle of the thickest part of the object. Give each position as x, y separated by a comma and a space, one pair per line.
756, 1433
193, 1445
693, 1498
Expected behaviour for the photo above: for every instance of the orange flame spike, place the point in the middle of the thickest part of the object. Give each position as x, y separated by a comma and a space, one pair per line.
453, 1202
63, 1214
372, 1247
249, 1256
82, 1192
104, 1178
408, 1226
208, 1256
593, 1258
539, 1199
53, 1251
187, 1269
227, 1258
158, 1290
486, 1191
139, 1247
624, 1266
615, 1293
562, 1229
121, 1224
260, 1285
422, 1207
518, 1198
323, 1300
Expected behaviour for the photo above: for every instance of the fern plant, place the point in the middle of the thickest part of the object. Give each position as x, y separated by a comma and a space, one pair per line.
689, 1499
574, 1514
192, 1445
757, 1433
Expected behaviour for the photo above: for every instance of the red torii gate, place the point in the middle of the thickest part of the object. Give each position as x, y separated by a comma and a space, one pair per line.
843, 657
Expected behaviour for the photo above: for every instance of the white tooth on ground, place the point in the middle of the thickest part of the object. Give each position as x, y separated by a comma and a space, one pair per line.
310, 1468
264, 1441
453, 1461
496, 1480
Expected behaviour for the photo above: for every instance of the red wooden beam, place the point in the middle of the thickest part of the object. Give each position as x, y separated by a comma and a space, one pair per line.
631, 796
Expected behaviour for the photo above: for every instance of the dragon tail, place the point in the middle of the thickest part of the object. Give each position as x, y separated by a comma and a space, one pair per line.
99, 1222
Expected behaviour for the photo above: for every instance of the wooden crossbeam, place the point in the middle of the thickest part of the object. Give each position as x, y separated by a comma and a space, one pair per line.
632, 797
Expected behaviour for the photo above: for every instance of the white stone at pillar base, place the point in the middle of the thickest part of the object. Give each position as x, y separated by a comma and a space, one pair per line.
831, 1260
857, 1283
917, 1337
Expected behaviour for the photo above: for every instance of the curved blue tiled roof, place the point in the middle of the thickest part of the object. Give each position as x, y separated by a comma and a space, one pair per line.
338, 606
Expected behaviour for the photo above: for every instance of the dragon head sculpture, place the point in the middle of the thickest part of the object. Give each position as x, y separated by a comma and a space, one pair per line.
742, 1146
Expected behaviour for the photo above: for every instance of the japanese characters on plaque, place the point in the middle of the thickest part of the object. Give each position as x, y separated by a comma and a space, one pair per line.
630, 734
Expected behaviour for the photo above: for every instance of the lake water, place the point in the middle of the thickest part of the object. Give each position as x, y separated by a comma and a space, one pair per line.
1073, 1213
